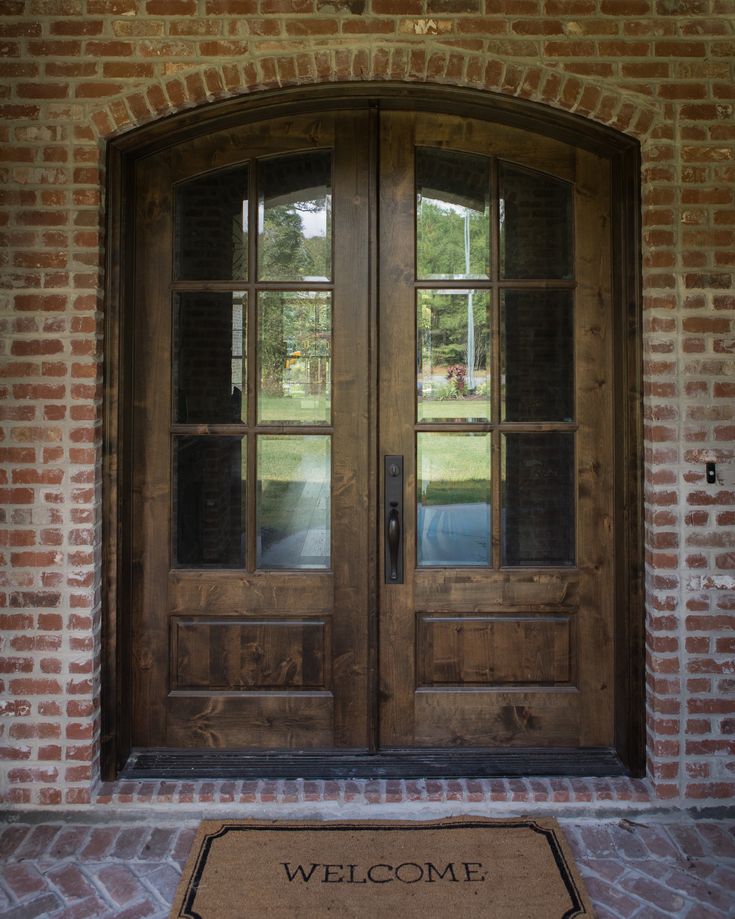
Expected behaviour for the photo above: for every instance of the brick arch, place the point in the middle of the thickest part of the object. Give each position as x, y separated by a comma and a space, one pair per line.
634, 115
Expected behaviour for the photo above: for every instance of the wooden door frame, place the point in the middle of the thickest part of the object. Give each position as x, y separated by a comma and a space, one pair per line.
623, 153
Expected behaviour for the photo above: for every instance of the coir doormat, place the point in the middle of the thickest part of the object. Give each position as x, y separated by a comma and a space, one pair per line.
504, 869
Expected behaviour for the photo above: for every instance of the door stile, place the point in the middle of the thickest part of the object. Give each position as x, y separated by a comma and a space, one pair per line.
351, 437
373, 393
397, 391
595, 512
251, 373
152, 464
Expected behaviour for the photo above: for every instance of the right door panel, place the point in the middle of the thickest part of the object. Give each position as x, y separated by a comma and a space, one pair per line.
495, 386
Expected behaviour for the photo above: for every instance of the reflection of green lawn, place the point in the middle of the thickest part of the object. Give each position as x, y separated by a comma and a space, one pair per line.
288, 458
472, 491
293, 474
304, 409
454, 409
453, 468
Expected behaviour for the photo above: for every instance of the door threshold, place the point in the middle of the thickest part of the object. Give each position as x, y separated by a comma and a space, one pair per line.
437, 763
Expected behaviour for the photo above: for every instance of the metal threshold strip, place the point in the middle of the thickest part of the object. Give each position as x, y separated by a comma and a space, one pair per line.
389, 764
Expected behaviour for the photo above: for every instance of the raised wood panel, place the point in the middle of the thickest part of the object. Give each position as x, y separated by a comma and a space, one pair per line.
495, 650
249, 655
287, 721
441, 590
486, 717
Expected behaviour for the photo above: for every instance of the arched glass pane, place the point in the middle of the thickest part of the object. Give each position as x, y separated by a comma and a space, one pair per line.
536, 232
452, 215
295, 218
211, 227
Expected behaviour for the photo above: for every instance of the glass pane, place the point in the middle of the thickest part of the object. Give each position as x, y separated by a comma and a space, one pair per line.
454, 499
211, 227
209, 357
538, 499
294, 522
295, 218
536, 239
537, 355
209, 496
453, 381
294, 356
452, 215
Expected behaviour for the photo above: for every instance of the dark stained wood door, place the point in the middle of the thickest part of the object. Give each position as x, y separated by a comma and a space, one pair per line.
496, 389
250, 512
261, 348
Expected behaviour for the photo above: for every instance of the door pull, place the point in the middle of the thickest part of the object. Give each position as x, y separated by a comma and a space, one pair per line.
393, 513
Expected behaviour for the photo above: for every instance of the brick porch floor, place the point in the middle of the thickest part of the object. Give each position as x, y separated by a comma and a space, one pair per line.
116, 860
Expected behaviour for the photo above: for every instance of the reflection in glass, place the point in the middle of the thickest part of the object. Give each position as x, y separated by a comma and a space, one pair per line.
538, 499
293, 503
209, 495
453, 382
294, 356
454, 499
536, 232
295, 218
211, 227
209, 357
452, 215
537, 355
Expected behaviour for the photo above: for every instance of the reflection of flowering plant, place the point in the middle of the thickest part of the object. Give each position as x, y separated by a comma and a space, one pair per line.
456, 375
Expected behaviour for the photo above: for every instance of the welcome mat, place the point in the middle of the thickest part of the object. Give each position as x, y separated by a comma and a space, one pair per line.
504, 869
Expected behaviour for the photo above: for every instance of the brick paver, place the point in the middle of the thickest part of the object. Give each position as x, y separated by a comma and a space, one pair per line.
644, 868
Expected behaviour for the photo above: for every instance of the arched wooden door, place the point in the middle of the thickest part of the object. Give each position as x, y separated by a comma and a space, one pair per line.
372, 439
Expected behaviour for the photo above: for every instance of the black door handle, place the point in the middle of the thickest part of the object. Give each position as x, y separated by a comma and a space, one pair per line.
393, 525
394, 541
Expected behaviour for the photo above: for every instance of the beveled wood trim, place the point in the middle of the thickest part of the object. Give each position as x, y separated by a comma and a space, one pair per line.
630, 721
624, 155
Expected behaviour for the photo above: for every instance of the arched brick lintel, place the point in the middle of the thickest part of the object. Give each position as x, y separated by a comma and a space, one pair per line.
210, 82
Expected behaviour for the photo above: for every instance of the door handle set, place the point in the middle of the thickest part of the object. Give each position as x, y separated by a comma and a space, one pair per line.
393, 512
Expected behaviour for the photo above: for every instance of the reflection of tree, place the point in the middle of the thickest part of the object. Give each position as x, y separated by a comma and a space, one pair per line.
295, 329
286, 253
443, 330
283, 254
441, 241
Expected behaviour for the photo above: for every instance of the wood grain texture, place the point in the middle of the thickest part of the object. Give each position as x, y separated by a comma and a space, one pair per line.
566, 639
489, 718
494, 650
584, 595
236, 655
203, 638
287, 721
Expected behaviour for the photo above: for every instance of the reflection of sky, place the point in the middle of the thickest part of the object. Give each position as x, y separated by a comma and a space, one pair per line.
454, 208
313, 223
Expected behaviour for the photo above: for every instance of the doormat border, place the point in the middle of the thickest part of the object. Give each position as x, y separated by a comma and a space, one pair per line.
547, 827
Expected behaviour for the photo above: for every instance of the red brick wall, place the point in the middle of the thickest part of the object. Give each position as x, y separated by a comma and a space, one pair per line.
76, 71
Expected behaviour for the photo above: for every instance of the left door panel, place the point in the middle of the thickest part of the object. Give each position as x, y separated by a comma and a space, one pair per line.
250, 426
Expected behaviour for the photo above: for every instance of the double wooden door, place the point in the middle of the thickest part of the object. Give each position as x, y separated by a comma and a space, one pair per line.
372, 438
